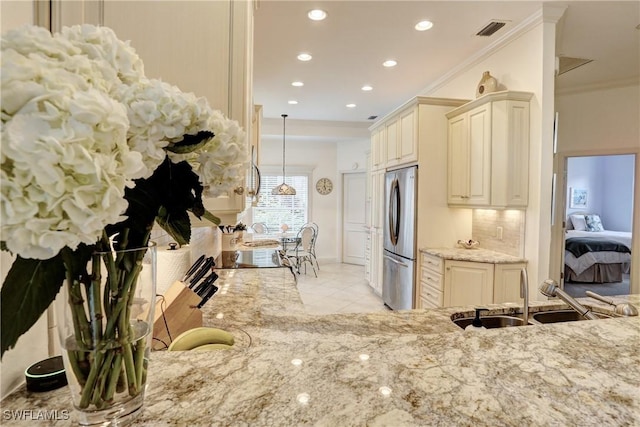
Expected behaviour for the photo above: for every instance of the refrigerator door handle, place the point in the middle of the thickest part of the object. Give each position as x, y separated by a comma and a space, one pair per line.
396, 261
394, 212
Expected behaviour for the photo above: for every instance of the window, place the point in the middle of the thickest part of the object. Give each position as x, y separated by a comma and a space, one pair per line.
277, 210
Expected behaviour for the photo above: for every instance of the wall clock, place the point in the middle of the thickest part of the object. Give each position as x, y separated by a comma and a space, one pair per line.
324, 186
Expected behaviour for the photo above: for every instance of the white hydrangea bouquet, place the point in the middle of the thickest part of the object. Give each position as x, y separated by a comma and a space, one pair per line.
93, 153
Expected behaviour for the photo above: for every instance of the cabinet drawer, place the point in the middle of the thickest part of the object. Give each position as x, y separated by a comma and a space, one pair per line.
432, 262
427, 304
432, 279
434, 296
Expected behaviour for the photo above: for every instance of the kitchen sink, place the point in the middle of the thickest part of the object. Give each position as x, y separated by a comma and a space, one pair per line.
492, 321
555, 316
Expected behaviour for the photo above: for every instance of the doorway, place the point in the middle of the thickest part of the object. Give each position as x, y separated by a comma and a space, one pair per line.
598, 214
354, 227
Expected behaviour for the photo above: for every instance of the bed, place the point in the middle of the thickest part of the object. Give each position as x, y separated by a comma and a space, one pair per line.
594, 254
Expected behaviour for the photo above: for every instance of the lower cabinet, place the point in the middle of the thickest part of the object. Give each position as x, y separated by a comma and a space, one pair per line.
468, 283
444, 283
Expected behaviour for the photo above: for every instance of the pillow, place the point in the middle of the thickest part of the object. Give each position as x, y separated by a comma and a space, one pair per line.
593, 223
579, 222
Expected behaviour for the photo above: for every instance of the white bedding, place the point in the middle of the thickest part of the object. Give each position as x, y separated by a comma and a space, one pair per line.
579, 265
623, 237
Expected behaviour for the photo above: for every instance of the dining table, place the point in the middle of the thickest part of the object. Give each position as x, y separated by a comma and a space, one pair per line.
285, 241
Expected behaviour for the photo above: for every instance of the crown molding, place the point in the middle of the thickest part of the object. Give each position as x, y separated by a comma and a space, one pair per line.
520, 29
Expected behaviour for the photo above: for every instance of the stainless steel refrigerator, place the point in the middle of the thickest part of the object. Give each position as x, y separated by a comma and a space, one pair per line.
399, 255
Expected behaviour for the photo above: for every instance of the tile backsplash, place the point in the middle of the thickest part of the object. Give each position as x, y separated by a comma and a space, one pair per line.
485, 223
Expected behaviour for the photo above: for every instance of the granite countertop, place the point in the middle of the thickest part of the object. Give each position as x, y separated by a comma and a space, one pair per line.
403, 368
473, 255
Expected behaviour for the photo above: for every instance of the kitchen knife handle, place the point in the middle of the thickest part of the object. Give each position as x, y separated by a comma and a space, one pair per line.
208, 295
193, 268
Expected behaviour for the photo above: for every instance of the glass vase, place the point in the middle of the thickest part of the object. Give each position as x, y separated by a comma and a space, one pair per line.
105, 324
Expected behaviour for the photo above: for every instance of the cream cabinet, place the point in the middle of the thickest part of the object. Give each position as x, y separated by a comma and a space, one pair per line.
488, 151
445, 283
506, 285
468, 283
469, 157
376, 230
401, 138
378, 148
430, 286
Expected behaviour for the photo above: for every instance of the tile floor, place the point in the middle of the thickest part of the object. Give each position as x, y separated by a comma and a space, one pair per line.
339, 288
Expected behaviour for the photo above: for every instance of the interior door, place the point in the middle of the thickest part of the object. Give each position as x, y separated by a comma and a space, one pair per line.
354, 225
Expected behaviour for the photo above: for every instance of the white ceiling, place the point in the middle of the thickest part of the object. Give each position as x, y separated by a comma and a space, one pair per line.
349, 47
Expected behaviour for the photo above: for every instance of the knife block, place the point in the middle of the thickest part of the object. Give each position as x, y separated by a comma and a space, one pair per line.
179, 310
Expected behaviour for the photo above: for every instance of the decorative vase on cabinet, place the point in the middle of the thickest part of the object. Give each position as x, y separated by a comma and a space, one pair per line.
487, 84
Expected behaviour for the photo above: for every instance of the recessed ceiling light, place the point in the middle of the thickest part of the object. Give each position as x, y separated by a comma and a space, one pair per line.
423, 25
367, 88
351, 105
297, 84
292, 102
304, 57
389, 63
317, 14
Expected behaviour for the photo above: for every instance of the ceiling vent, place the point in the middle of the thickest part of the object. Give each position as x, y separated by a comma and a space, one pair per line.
372, 117
491, 28
566, 63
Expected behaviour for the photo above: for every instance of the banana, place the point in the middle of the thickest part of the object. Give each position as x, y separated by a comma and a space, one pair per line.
208, 347
197, 337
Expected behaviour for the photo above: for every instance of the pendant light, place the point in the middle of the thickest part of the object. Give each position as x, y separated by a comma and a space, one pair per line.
283, 189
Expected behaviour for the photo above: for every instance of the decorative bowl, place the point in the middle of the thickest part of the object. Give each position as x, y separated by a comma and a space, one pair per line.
469, 244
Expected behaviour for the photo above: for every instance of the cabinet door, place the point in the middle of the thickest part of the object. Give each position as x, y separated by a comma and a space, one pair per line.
479, 122
375, 149
510, 153
458, 161
408, 145
506, 285
392, 143
468, 283
377, 198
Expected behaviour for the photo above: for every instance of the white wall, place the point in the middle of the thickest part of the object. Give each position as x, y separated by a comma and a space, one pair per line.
602, 119
617, 209
584, 173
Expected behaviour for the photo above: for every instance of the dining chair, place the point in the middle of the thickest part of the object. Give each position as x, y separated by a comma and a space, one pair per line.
302, 252
260, 228
312, 249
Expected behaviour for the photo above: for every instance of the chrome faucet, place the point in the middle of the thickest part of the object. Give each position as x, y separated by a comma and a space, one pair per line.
550, 288
524, 293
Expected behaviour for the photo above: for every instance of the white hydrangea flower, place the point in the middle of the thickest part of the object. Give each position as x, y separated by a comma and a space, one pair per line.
220, 164
65, 158
159, 114
102, 44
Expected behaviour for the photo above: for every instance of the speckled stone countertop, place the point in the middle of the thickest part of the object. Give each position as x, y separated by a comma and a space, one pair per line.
404, 368
473, 255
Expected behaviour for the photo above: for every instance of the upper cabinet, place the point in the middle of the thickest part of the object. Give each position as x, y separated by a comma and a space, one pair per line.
395, 140
488, 152
402, 141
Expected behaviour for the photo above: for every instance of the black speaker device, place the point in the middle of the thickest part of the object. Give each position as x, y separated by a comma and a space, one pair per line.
46, 375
